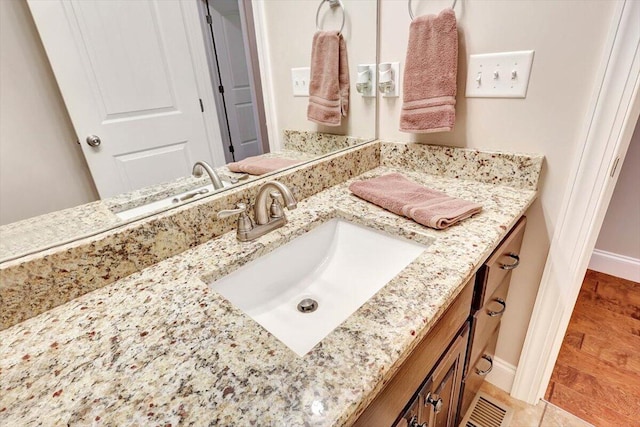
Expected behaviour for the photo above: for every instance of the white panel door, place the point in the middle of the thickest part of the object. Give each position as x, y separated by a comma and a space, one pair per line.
126, 74
234, 74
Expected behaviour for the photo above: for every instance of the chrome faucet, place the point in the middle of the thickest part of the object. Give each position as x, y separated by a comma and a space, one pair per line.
267, 217
198, 167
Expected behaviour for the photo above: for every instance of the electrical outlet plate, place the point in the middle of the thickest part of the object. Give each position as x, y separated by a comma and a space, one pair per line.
499, 75
300, 78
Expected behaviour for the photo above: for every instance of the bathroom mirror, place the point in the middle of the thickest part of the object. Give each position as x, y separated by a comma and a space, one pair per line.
151, 87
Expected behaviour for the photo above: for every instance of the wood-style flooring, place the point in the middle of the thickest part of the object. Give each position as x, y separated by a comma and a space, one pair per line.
597, 375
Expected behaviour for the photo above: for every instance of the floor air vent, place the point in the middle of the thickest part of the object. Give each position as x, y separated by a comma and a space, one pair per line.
486, 412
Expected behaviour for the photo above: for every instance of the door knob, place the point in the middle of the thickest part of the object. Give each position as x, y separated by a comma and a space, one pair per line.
93, 140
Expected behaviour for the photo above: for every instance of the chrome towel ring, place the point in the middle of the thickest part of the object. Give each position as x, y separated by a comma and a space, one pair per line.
332, 4
411, 12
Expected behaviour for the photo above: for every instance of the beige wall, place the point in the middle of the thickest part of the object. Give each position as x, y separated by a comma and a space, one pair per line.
41, 167
568, 39
291, 25
620, 232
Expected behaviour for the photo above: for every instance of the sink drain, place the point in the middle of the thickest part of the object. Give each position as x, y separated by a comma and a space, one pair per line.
307, 305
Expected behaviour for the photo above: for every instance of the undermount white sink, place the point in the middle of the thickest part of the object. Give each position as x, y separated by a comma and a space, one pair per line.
339, 265
167, 202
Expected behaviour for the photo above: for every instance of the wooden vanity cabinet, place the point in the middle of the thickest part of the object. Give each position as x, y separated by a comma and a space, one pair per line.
489, 304
435, 366
437, 382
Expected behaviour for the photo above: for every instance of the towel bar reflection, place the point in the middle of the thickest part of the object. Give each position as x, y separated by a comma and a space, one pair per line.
453, 6
332, 4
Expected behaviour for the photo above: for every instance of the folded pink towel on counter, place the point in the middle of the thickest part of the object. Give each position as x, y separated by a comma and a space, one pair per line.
257, 165
397, 194
429, 85
329, 83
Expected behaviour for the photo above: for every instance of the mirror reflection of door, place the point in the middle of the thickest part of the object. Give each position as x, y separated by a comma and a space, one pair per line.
130, 73
237, 99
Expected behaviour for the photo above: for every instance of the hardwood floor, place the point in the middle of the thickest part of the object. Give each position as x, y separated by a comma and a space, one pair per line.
597, 375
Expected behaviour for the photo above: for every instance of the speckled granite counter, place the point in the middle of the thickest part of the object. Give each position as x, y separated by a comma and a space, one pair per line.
159, 348
34, 284
43, 231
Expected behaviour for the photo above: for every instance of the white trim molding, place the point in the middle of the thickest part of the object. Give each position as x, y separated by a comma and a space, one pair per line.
615, 265
264, 58
605, 137
202, 75
502, 374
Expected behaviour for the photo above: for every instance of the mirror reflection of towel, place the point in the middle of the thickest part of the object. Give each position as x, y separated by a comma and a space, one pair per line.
257, 165
329, 84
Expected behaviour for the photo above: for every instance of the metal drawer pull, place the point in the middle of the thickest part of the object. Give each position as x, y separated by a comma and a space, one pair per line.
500, 301
435, 401
414, 422
511, 266
485, 372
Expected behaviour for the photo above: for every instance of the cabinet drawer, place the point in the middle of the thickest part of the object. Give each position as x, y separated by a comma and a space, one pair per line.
500, 264
477, 373
487, 319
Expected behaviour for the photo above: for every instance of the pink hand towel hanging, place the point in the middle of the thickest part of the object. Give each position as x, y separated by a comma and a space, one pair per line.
429, 85
329, 84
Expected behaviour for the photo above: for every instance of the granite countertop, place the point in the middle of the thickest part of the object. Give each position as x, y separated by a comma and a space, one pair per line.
43, 231
160, 348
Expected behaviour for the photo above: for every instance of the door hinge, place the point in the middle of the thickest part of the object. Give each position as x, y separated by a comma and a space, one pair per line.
221, 89
201, 105
209, 20
615, 166
231, 150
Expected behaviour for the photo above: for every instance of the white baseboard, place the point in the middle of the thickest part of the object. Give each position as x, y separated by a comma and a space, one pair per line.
615, 265
502, 374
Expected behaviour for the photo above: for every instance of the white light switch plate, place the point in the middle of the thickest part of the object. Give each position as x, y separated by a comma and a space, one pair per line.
499, 75
300, 78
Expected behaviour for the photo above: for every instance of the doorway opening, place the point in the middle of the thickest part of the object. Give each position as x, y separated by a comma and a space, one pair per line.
230, 43
599, 354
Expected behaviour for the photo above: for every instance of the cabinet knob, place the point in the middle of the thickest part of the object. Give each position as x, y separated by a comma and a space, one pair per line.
433, 400
414, 422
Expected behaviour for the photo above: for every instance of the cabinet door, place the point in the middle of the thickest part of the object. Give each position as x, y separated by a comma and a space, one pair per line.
411, 415
440, 396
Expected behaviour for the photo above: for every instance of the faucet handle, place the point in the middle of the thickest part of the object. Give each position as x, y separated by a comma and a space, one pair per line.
245, 223
240, 209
